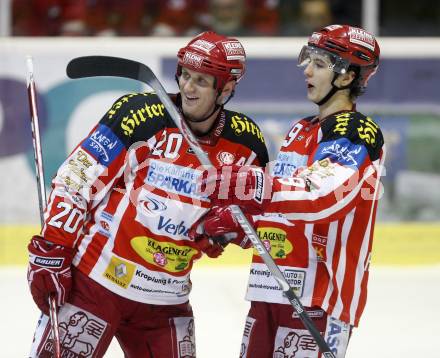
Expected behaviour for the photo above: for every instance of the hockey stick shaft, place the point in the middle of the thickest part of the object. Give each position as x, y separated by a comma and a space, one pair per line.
92, 66
36, 141
39, 171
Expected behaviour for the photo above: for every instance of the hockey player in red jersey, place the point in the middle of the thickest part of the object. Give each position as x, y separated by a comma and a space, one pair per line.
319, 205
115, 247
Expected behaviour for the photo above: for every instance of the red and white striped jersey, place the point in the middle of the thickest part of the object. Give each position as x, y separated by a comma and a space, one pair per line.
319, 224
126, 197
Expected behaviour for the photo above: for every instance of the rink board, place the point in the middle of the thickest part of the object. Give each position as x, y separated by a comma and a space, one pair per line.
394, 244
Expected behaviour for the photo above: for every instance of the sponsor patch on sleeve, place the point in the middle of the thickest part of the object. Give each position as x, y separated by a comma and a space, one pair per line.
103, 144
342, 151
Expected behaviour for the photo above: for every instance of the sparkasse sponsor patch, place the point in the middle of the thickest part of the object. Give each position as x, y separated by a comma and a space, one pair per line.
173, 178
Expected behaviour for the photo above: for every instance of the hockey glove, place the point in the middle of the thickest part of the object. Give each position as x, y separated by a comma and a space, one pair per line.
221, 227
246, 186
49, 272
203, 242
209, 247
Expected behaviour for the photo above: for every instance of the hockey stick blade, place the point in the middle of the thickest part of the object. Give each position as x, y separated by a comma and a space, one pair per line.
91, 66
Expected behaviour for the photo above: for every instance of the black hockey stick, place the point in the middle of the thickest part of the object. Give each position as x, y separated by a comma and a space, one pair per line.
91, 66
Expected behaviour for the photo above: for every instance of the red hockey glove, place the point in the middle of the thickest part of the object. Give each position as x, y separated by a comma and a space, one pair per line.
221, 227
246, 186
209, 247
49, 272
205, 243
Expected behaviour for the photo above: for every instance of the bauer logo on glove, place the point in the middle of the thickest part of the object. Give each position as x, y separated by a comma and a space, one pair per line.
45, 262
49, 271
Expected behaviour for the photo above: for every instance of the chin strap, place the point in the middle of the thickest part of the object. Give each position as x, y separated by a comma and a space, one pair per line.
333, 90
230, 97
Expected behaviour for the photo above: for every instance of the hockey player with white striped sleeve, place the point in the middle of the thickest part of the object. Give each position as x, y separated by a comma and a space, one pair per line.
318, 205
115, 247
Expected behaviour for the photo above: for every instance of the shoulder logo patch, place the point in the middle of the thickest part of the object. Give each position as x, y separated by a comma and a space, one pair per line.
134, 119
242, 125
367, 130
342, 121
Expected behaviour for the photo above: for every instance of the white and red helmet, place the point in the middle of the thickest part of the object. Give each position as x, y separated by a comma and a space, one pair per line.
220, 56
347, 46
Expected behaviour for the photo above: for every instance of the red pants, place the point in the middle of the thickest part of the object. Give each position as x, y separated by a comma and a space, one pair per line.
275, 331
94, 315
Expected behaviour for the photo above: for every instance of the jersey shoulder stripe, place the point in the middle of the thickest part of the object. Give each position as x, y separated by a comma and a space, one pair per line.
356, 128
243, 130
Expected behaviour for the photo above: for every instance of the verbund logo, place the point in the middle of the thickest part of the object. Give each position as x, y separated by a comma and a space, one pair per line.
173, 228
153, 206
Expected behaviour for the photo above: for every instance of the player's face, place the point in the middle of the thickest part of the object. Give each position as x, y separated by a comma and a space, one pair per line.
198, 94
318, 77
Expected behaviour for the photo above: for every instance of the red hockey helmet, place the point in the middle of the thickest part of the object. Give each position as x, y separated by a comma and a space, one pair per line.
346, 46
220, 56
